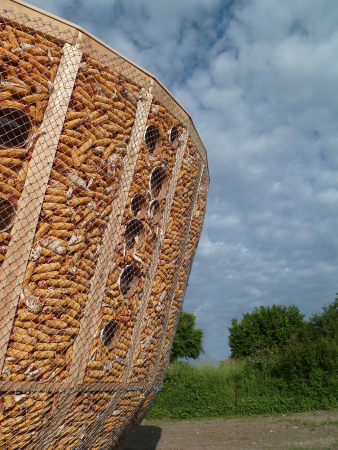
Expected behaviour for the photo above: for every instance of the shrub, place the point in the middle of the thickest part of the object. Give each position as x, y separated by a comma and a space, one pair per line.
265, 327
307, 351
326, 323
237, 389
263, 359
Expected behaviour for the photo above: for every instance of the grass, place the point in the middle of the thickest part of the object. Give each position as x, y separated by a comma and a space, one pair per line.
210, 368
235, 390
312, 424
329, 422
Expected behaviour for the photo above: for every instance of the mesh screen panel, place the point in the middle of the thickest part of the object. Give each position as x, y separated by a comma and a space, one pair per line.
103, 185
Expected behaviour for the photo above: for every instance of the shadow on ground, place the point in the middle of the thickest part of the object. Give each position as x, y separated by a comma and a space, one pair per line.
144, 438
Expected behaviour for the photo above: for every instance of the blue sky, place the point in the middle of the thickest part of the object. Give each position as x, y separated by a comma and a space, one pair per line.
260, 79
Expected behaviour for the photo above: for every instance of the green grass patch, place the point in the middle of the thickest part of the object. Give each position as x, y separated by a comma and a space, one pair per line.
328, 423
310, 424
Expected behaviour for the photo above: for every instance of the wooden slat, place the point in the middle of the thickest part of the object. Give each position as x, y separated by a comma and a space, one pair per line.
111, 387
155, 375
31, 386
161, 339
28, 214
29, 204
62, 387
111, 238
200, 148
154, 261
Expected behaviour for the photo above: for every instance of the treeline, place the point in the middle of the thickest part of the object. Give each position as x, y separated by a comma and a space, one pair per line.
277, 339
279, 363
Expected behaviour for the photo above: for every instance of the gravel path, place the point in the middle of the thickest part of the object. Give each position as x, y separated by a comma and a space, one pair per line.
317, 430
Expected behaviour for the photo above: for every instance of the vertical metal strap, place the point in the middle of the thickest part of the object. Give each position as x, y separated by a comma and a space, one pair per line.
177, 275
154, 262
111, 238
29, 204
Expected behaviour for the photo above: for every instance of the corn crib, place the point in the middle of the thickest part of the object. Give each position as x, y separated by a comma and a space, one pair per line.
103, 186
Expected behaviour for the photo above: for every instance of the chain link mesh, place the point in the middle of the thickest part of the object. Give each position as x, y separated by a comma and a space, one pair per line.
103, 184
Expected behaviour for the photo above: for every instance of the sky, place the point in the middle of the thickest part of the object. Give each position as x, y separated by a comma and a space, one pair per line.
259, 78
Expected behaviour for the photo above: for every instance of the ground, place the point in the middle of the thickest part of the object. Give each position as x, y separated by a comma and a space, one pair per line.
316, 430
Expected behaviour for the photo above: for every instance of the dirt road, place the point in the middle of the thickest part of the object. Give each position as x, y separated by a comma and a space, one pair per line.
316, 430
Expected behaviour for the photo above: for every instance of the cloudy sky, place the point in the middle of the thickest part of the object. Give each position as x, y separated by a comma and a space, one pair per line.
260, 79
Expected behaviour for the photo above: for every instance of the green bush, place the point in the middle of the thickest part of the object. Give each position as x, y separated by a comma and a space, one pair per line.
326, 323
191, 392
307, 352
312, 349
263, 359
284, 365
238, 389
264, 328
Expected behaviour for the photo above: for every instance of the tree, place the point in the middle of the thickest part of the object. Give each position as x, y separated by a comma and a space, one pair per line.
326, 323
188, 339
314, 346
264, 328
307, 351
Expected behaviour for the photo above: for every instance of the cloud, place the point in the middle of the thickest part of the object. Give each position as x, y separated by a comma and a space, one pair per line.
259, 79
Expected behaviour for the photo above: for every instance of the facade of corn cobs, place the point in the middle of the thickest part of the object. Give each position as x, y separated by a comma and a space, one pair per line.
103, 185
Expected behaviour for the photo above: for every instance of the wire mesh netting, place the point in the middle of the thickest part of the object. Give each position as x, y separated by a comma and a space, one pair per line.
154, 320
176, 302
103, 184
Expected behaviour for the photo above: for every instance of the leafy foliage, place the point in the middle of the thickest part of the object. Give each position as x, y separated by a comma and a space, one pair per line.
263, 359
188, 339
197, 392
313, 348
308, 351
264, 328
285, 365
326, 323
